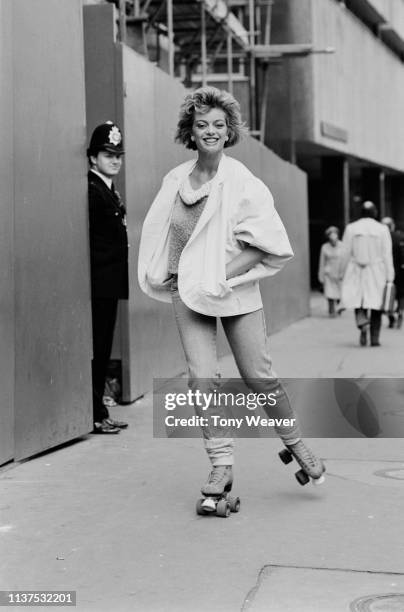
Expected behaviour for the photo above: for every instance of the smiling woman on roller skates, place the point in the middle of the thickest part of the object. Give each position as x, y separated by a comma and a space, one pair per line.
211, 233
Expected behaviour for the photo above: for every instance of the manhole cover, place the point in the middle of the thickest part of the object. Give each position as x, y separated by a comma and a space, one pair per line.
391, 602
396, 474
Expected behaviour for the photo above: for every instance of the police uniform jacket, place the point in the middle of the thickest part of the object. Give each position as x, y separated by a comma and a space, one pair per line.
239, 211
108, 241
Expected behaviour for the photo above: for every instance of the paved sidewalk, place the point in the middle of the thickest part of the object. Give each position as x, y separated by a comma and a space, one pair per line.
113, 517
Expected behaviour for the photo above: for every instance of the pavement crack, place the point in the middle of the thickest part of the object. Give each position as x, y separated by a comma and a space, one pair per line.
266, 570
262, 574
356, 460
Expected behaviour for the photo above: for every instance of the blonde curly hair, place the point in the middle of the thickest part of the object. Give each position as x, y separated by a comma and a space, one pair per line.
202, 100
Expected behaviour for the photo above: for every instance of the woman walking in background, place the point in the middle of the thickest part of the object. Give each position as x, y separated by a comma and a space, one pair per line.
329, 269
211, 233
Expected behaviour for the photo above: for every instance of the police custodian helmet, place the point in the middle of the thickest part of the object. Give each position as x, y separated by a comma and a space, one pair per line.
106, 137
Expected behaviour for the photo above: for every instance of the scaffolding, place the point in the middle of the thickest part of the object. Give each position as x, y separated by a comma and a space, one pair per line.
210, 41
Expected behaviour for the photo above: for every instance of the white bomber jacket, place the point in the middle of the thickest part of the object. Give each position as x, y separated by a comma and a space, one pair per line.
239, 212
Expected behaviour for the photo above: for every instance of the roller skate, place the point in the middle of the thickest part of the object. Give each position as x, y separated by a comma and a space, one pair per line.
216, 491
311, 468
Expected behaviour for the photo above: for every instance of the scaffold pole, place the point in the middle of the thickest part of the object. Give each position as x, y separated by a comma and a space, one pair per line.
203, 45
170, 26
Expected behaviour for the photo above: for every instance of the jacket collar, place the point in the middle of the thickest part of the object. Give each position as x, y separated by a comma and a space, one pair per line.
162, 214
107, 181
214, 200
92, 176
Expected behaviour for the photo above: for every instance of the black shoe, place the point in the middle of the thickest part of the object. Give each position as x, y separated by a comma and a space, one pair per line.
363, 339
391, 321
105, 428
375, 343
114, 423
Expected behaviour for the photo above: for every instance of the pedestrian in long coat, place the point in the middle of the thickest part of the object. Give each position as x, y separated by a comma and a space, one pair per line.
368, 267
329, 269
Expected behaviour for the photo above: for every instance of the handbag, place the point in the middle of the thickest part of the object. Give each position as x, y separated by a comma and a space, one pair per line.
361, 318
389, 296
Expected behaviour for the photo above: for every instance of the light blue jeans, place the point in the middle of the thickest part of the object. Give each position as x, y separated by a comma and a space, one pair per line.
248, 340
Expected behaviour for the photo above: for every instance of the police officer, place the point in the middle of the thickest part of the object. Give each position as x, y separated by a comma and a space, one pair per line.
109, 259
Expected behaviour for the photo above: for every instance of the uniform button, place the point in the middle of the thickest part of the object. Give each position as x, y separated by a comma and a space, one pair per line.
116, 214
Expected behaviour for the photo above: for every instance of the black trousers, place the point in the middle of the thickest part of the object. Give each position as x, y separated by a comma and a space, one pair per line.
104, 317
375, 321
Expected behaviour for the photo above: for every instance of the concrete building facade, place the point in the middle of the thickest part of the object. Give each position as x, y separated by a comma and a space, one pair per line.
339, 115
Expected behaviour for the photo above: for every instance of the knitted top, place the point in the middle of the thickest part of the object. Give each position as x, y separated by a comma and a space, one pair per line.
188, 207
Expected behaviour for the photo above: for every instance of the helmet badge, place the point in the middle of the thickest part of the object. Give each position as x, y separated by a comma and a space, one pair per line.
115, 136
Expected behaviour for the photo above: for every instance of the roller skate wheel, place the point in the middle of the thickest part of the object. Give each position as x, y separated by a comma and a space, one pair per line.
208, 505
234, 503
302, 477
285, 456
223, 508
318, 481
199, 507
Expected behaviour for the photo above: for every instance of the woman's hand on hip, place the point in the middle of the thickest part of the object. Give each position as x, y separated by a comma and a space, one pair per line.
244, 261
